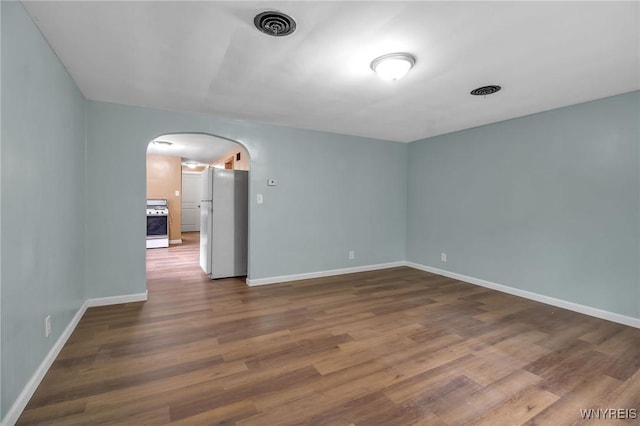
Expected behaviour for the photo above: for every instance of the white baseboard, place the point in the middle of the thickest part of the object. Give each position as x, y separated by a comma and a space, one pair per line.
21, 402
179, 241
116, 300
587, 310
319, 274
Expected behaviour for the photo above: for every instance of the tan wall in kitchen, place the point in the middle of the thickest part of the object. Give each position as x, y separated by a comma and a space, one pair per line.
242, 164
164, 178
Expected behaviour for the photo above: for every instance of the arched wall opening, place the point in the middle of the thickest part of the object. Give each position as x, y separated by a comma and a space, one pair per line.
175, 164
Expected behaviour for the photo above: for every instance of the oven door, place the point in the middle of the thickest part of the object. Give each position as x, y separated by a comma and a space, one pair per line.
157, 226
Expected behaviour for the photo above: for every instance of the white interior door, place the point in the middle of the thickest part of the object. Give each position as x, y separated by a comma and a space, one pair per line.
190, 202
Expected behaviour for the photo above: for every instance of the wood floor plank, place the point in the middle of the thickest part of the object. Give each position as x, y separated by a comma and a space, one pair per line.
564, 410
390, 347
224, 415
480, 400
519, 408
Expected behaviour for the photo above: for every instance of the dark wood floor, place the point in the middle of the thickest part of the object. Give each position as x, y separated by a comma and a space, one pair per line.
392, 347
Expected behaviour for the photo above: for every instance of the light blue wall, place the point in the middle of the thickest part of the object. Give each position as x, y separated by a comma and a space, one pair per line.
547, 203
335, 193
43, 195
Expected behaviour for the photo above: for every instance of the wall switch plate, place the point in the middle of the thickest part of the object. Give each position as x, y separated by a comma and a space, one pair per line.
352, 254
443, 257
47, 326
272, 182
259, 199
177, 193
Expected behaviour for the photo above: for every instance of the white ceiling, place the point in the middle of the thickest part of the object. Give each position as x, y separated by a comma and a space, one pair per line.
192, 147
207, 57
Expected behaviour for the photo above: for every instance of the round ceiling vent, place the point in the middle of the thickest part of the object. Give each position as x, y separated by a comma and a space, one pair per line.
275, 23
485, 90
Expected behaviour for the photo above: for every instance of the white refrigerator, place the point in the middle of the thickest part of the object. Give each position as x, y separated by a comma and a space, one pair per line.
224, 223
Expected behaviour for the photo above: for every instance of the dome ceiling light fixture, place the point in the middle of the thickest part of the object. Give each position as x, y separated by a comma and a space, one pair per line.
274, 23
485, 90
393, 66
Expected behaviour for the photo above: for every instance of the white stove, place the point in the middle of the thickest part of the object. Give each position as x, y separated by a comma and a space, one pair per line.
157, 223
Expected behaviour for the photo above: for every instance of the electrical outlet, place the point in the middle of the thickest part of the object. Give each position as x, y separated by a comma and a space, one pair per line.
259, 199
443, 257
47, 326
352, 254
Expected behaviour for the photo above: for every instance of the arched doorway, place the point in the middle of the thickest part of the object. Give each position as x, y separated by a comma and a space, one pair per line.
176, 164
